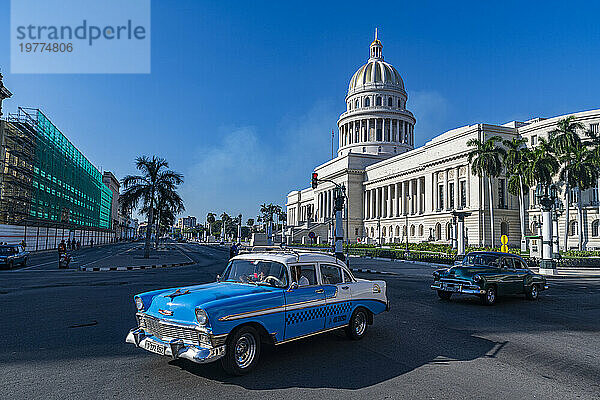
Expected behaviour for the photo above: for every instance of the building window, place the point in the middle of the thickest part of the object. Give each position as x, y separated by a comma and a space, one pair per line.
440, 197
367, 102
357, 104
595, 196
399, 103
463, 194
595, 225
412, 230
594, 128
573, 228
421, 230
501, 190
438, 231
573, 197
504, 228
378, 101
533, 140
448, 231
451, 195
390, 101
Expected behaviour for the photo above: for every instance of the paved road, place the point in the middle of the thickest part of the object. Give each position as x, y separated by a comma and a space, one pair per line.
63, 338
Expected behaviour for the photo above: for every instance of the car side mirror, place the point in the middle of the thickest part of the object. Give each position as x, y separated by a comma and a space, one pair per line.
294, 285
218, 278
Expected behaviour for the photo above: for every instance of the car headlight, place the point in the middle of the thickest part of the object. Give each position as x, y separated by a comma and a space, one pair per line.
139, 304
201, 316
477, 278
436, 274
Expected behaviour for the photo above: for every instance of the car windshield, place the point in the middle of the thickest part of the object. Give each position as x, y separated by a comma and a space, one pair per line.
480, 260
6, 251
258, 272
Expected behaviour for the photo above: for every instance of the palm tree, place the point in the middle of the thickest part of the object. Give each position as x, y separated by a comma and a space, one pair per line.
170, 204
593, 143
581, 172
210, 218
564, 139
250, 223
516, 162
486, 161
155, 178
225, 220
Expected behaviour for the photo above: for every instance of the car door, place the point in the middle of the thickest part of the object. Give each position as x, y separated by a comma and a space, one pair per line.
521, 272
338, 294
507, 281
305, 304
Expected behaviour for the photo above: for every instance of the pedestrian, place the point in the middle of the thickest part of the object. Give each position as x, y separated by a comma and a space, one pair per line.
233, 250
62, 248
23, 244
69, 244
78, 244
91, 242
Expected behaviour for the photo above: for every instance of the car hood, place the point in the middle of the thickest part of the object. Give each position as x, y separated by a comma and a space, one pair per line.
179, 304
465, 272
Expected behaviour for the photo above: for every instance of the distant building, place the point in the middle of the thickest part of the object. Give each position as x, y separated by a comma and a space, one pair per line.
186, 222
4, 93
113, 184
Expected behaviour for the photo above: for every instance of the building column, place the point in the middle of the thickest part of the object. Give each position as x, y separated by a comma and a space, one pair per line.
368, 129
419, 208
395, 200
456, 188
412, 197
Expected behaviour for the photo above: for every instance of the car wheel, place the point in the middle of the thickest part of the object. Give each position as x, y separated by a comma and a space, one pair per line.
444, 295
24, 262
357, 328
242, 351
489, 298
10, 264
532, 292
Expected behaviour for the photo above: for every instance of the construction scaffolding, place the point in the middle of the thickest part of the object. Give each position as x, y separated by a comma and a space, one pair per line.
45, 180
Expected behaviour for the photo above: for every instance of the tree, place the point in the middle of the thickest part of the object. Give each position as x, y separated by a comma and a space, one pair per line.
155, 178
250, 223
169, 204
486, 161
210, 218
516, 163
592, 141
564, 139
581, 173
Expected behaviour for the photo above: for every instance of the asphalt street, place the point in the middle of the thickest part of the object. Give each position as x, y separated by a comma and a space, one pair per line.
63, 338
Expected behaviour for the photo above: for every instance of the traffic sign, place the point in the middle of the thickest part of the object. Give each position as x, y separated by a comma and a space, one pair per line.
311, 235
504, 239
504, 248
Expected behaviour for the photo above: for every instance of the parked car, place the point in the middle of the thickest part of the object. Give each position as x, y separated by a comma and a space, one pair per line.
266, 297
488, 275
13, 254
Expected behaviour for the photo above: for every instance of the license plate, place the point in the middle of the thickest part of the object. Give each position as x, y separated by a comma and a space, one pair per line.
155, 347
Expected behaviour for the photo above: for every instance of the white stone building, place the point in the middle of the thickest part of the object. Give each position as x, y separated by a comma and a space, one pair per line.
395, 189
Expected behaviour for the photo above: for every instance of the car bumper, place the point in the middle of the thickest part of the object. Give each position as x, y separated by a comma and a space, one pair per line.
175, 348
465, 289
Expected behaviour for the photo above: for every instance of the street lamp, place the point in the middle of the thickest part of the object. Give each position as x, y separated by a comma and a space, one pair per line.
559, 208
547, 195
409, 201
379, 231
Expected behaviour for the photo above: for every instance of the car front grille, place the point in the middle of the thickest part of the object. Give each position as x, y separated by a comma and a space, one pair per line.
456, 281
165, 331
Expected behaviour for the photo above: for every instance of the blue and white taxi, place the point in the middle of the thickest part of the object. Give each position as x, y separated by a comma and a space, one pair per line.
265, 297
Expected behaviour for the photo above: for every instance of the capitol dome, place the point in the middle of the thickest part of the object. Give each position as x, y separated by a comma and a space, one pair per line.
373, 72
376, 71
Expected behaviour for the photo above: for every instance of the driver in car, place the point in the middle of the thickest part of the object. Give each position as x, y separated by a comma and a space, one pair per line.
298, 277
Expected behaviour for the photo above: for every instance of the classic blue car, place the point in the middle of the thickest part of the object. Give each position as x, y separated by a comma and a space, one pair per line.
13, 254
261, 298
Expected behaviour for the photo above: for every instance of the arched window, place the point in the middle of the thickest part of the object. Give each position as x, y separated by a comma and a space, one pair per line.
367, 102
438, 231
533, 228
357, 104
372, 232
412, 230
399, 103
449, 231
573, 228
504, 228
383, 231
595, 226
404, 230
378, 101
390, 101
421, 230
398, 230
364, 149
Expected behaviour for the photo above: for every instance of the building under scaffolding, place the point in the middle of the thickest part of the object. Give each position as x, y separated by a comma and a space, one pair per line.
45, 180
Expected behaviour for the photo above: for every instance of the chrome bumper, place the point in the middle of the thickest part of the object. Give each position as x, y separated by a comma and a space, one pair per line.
176, 348
471, 289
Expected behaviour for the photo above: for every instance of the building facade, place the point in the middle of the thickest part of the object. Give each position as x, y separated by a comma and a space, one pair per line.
396, 192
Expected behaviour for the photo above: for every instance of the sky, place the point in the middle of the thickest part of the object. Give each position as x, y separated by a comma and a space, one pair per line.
242, 96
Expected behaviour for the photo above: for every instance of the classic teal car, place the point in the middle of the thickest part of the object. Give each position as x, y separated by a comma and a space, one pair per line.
488, 275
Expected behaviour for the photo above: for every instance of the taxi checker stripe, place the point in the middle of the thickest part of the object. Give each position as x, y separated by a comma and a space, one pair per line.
344, 304
317, 312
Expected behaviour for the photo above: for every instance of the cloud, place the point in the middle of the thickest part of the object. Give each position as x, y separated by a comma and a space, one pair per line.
431, 110
247, 167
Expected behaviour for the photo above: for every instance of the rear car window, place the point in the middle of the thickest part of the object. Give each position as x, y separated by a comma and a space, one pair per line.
331, 274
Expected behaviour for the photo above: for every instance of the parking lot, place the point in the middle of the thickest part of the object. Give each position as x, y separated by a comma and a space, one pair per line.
63, 338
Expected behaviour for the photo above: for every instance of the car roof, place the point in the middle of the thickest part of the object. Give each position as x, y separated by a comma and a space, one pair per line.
494, 253
290, 257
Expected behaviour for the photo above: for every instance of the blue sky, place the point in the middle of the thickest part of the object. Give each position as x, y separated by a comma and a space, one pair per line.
243, 95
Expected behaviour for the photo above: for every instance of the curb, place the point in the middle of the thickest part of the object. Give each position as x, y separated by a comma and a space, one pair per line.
372, 271
132, 268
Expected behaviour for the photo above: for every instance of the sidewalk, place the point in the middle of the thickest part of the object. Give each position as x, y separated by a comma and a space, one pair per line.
133, 258
573, 273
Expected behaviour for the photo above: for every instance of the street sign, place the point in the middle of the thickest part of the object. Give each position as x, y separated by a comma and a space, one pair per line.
504, 239
311, 235
504, 248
